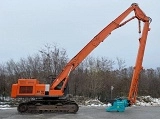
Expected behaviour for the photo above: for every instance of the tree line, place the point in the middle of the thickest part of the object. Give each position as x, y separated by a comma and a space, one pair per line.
93, 78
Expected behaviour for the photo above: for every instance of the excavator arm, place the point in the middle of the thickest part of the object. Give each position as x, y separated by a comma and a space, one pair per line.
138, 66
120, 104
100, 37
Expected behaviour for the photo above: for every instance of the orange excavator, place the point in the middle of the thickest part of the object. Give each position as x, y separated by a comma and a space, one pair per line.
49, 97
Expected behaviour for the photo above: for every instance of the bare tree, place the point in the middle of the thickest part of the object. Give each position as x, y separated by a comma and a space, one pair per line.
53, 60
3, 87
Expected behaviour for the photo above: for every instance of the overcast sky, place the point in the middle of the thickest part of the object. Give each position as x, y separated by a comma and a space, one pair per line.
27, 25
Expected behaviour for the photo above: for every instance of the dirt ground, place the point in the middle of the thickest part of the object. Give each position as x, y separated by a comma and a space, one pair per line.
88, 113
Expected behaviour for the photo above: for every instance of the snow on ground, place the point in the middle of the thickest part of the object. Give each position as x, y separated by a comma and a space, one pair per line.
147, 101
4, 105
141, 101
95, 102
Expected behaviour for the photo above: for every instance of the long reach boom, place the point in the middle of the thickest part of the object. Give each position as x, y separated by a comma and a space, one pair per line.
49, 96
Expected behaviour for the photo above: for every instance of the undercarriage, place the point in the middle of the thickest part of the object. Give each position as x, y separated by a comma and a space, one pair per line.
41, 106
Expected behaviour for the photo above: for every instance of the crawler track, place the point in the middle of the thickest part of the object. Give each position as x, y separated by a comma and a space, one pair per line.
41, 106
